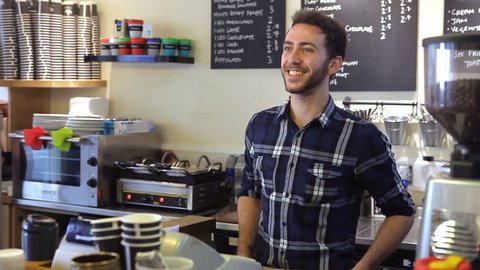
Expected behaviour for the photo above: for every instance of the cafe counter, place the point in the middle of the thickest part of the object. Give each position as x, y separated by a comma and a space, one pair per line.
225, 232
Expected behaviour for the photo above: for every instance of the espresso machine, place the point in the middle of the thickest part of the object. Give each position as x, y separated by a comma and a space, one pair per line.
450, 223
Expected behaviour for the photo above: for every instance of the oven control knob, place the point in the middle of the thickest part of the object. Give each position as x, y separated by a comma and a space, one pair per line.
92, 161
92, 182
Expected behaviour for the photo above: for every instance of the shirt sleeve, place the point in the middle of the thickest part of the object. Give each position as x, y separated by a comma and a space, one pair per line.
377, 170
250, 184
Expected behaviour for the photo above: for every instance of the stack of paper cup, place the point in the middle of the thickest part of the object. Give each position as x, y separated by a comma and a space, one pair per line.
69, 37
40, 14
84, 40
106, 235
96, 68
56, 43
9, 68
140, 232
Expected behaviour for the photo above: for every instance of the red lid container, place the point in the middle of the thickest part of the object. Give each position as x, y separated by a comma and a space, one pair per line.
451, 262
124, 46
138, 46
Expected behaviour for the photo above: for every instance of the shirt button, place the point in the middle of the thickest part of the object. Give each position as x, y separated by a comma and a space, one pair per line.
282, 252
291, 165
284, 224
287, 194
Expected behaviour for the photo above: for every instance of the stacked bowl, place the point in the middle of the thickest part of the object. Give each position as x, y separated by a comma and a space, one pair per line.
140, 232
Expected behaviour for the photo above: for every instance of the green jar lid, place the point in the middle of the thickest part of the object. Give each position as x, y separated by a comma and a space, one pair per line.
124, 39
169, 40
185, 41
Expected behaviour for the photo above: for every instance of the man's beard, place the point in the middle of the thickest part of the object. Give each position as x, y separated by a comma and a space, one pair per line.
316, 79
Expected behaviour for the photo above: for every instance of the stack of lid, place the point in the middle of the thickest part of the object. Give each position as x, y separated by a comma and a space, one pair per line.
25, 40
69, 37
40, 15
84, 40
9, 68
56, 43
95, 38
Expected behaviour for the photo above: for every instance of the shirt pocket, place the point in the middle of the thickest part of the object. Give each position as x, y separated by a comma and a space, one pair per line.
323, 183
265, 170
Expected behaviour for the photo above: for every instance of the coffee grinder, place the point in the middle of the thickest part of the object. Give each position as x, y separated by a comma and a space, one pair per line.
451, 213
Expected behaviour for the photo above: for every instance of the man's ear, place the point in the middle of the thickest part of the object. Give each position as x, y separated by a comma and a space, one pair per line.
335, 64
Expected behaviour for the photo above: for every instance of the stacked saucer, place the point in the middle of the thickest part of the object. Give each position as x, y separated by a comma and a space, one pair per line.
69, 18
25, 40
8, 35
84, 42
56, 50
40, 15
85, 125
49, 121
96, 68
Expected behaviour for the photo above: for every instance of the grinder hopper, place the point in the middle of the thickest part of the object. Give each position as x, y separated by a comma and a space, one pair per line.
452, 95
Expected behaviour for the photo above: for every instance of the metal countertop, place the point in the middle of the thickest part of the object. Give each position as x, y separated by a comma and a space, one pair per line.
366, 230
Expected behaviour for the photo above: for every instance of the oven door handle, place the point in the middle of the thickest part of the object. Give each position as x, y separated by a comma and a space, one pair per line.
49, 138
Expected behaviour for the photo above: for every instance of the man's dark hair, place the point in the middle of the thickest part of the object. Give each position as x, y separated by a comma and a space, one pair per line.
336, 36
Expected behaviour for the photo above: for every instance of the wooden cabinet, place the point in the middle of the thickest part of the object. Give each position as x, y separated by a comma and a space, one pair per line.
27, 97
5, 222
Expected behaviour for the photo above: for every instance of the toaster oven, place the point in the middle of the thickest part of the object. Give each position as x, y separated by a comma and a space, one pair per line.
85, 175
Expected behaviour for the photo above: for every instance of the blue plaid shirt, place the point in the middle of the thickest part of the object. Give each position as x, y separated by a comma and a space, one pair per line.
311, 182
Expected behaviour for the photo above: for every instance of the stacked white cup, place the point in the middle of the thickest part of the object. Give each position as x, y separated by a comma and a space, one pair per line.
12, 259
140, 232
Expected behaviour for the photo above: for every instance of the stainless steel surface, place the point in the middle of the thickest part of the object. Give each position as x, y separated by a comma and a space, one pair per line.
49, 138
112, 211
368, 227
97, 174
453, 237
227, 226
366, 230
448, 198
172, 195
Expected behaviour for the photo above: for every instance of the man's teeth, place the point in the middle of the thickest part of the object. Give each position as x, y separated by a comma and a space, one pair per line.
295, 72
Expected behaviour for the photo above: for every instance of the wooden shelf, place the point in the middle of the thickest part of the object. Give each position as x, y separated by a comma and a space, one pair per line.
139, 58
54, 83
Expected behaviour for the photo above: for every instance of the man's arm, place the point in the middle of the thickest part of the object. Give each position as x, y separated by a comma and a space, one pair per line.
248, 216
390, 234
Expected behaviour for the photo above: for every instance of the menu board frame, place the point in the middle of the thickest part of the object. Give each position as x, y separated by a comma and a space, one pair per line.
247, 33
382, 43
461, 16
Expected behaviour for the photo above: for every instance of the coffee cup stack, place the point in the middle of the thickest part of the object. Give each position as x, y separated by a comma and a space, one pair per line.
140, 232
106, 234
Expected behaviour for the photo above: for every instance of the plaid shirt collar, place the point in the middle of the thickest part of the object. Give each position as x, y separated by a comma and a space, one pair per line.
325, 118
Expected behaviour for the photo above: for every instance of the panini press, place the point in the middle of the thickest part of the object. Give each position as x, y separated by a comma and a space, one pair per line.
175, 186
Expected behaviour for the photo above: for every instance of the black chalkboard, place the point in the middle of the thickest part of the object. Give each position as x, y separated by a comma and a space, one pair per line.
382, 43
461, 16
247, 33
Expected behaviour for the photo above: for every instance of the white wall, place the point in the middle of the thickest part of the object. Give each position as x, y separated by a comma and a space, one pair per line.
197, 108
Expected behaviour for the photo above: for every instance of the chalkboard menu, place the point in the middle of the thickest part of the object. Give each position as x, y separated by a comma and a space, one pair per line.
247, 33
461, 16
382, 43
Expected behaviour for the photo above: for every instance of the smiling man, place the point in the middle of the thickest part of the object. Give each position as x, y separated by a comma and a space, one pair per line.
308, 163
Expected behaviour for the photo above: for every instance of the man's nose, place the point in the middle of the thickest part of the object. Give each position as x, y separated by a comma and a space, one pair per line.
295, 56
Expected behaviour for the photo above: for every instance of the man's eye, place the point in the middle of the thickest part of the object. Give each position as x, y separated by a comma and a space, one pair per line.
307, 50
287, 49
